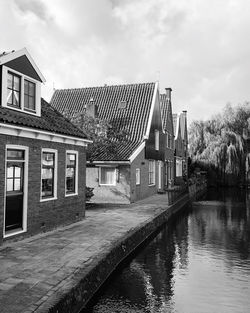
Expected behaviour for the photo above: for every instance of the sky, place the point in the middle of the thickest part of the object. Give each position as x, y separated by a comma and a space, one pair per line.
199, 48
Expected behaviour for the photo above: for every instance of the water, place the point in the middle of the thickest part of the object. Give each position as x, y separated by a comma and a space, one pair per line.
198, 264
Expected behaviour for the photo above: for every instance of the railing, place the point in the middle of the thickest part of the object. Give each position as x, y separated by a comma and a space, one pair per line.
176, 193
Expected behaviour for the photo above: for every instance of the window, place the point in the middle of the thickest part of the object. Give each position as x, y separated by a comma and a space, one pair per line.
49, 160
13, 90
29, 95
71, 173
169, 141
107, 176
151, 172
122, 104
157, 139
178, 167
137, 176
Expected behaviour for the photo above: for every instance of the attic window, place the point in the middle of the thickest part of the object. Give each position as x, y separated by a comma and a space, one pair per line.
122, 104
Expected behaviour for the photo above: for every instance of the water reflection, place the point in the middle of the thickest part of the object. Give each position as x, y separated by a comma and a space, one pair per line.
200, 264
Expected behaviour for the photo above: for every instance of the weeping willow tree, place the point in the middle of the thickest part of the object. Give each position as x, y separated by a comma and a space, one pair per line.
218, 143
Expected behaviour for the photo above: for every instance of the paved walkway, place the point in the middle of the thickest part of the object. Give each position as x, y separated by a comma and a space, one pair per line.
36, 270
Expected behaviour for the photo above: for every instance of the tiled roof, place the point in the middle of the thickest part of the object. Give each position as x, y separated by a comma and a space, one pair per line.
164, 103
51, 120
134, 118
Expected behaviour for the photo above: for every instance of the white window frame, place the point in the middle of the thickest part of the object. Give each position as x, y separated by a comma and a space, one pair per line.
137, 176
76, 173
114, 179
157, 139
151, 183
23, 77
25, 190
55, 174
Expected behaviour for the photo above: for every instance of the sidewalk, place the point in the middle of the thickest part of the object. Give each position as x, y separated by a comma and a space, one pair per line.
38, 271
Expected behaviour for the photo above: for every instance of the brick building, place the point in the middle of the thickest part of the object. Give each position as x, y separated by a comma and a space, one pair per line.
168, 129
180, 146
42, 155
138, 168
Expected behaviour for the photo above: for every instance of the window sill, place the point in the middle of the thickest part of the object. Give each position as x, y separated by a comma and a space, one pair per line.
151, 185
48, 199
107, 185
14, 232
71, 194
22, 110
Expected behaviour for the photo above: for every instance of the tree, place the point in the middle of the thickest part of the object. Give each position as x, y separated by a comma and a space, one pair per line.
107, 136
218, 143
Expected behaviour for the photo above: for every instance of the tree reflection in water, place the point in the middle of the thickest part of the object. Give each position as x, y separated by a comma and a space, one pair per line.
199, 263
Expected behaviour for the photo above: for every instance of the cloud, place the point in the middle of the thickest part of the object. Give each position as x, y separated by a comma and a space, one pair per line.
36, 7
199, 48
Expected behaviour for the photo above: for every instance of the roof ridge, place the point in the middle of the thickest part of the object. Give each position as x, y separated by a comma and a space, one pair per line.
107, 86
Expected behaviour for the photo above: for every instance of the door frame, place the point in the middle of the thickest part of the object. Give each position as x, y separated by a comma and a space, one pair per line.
160, 175
25, 190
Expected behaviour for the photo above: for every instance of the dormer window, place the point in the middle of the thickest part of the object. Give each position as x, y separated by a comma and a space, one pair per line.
122, 104
20, 92
13, 90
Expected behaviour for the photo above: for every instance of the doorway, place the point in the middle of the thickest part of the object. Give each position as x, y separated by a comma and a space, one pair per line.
16, 191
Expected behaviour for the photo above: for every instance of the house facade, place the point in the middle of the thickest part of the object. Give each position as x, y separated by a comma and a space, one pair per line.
42, 155
137, 168
168, 129
180, 146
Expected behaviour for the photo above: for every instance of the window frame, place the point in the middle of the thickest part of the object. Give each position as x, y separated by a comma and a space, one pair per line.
75, 193
137, 176
29, 96
14, 90
23, 77
114, 178
54, 197
151, 173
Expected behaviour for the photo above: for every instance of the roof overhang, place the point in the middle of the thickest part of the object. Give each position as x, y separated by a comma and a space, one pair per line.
16, 54
108, 163
25, 132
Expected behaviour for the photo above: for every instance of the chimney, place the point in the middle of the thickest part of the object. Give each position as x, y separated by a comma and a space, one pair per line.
168, 93
91, 108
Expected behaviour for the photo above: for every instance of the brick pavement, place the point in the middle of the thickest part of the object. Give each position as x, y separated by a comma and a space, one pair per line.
36, 271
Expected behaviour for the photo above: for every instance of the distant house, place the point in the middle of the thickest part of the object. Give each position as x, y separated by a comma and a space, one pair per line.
137, 169
168, 128
42, 155
180, 146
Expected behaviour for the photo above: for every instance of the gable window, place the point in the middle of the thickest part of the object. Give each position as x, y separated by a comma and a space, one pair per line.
137, 176
49, 174
107, 176
13, 90
157, 139
151, 172
71, 172
29, 95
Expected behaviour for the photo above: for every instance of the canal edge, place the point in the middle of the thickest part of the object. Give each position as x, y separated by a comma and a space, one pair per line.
78, 291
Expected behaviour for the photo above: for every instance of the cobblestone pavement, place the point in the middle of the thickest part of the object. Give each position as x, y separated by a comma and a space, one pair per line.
41, 267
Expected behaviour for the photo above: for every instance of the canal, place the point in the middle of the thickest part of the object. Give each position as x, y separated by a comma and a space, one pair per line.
200, 263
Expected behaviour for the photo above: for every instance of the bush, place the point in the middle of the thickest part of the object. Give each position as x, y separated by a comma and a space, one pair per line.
89, 193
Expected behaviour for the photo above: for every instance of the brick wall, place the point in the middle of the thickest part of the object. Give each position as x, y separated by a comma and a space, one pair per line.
43, 216
143, 190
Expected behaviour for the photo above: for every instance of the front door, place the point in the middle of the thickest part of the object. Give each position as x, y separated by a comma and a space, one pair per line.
14, 190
